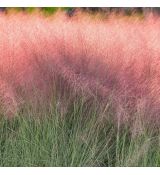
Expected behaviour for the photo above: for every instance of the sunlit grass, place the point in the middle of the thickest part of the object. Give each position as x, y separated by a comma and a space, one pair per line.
79, 91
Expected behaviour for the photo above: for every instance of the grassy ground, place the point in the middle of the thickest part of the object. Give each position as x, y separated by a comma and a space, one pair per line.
81, 136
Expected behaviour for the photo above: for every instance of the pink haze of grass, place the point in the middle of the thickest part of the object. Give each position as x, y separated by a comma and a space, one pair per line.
117, 58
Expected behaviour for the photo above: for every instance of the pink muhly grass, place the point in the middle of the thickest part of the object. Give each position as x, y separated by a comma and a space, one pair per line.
114, 57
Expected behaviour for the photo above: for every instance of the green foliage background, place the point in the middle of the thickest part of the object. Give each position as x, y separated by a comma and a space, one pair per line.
46, 10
